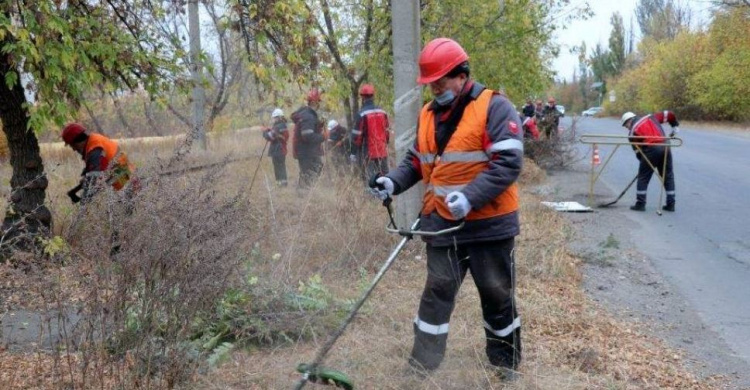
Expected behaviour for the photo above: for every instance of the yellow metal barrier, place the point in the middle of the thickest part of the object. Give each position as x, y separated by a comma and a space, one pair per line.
619, 140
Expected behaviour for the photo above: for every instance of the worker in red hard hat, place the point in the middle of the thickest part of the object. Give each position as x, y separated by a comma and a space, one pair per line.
105, 161
308, 139
370, 135
468, 154
106, 164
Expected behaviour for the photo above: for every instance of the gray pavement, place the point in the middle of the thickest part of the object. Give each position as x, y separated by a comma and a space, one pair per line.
703, 249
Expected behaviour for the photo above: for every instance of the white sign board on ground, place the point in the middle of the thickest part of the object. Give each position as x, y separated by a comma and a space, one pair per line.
568, 207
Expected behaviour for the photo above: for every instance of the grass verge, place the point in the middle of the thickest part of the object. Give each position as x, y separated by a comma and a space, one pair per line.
297, 260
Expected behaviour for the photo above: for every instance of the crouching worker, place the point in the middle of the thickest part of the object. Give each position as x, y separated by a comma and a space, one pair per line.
648, 130
106, 164
530, 130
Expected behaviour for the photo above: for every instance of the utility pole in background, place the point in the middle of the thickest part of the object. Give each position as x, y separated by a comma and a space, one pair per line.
196, 73
408, 97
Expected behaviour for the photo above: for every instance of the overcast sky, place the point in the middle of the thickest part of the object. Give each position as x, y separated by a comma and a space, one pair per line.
594, 30
597, 29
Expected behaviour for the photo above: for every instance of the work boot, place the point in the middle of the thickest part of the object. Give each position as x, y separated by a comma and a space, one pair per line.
115, 250
507, 374
668, 207
638, 207
416, 369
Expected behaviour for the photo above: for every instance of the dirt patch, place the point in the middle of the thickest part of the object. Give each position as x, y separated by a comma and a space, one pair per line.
622, 279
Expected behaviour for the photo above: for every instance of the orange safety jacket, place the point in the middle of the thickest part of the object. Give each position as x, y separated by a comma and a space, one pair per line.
119, 171
463, 159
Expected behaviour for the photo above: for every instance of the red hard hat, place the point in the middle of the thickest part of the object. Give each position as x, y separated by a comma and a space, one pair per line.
313, 95
438, 58
367, 90
71, 131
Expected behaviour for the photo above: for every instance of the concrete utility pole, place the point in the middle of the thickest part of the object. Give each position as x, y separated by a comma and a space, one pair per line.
406, 47
196, 73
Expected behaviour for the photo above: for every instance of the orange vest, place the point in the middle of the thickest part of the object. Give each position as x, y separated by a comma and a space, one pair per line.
120, 170
462, 160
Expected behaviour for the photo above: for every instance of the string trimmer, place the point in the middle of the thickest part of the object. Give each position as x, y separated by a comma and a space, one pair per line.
313, 372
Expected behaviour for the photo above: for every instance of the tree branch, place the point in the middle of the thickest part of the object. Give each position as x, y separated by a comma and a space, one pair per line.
368, 26
330, 40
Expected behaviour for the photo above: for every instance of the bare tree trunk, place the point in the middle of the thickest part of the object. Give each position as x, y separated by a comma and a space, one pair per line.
93, 118
121, 116
228, 69
179, 115
196, 70
149, 112
408, 96
26, 212
353, 106
346, 102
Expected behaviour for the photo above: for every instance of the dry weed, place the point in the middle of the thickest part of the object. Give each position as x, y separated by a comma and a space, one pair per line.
570, 343
558, 151
193, 238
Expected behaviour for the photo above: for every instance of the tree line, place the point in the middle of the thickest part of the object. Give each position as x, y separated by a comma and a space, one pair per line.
92, 60
700, 73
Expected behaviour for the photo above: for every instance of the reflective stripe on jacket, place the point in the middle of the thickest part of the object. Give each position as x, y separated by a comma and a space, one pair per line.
647, 130
120, 170
308, 134
372, 133
465, 156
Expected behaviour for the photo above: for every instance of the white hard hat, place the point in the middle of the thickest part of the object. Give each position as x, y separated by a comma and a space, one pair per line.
626, 117
331, 124
277, 113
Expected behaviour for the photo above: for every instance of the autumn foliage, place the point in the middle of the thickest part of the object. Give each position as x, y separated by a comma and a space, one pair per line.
699, 74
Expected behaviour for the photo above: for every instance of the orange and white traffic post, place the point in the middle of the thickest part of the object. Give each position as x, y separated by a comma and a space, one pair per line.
595, 159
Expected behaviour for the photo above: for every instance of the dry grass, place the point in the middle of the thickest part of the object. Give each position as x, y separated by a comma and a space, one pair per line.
336, 230
570, 342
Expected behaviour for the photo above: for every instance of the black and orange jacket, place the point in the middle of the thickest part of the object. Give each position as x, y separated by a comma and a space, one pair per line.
103, 155
482, 159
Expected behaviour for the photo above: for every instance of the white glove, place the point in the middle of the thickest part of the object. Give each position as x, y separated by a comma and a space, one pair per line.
458, 204
674, 132
353, 158
385, 189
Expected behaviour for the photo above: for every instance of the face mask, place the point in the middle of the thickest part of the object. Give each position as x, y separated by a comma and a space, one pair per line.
445, 98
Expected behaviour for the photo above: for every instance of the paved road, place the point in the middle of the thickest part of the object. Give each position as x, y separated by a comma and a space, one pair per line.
704, 248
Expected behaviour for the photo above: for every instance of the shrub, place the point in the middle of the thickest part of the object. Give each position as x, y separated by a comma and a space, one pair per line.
555, 152
181, 244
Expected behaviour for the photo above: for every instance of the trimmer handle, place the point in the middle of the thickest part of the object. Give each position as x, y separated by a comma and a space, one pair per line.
375, 185
373, 181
